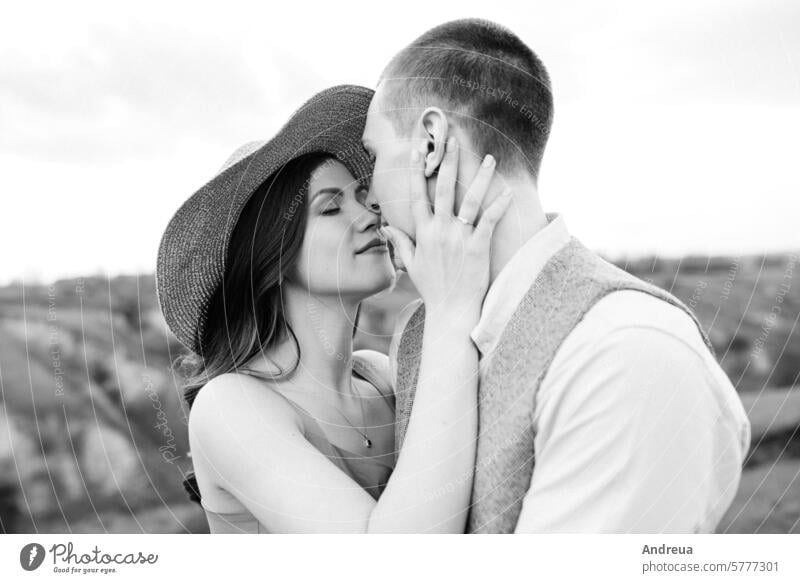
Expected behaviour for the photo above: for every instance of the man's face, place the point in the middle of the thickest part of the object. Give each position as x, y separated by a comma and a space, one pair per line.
391, 153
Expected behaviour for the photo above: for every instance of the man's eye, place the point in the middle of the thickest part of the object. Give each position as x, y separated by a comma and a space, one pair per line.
330, 211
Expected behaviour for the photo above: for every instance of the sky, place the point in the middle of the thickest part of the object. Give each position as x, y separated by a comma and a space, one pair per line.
676, 123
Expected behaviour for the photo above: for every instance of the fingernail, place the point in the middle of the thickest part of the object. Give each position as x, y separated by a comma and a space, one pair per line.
415, 155
451, 144
488, 161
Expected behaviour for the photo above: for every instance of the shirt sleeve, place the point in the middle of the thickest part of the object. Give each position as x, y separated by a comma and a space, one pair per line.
630, 438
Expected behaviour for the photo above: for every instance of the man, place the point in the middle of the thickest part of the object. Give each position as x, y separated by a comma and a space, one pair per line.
601, 406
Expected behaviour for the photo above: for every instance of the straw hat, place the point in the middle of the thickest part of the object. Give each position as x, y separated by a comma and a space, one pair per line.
191, 256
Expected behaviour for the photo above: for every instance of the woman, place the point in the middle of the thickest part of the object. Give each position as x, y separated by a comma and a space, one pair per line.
261, 273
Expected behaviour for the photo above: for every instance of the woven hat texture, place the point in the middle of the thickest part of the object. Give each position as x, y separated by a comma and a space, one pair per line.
193, 249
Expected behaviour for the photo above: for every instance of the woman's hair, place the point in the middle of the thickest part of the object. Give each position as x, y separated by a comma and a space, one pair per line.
245, 315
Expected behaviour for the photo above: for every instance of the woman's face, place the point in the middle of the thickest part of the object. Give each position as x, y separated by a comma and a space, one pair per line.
343, 253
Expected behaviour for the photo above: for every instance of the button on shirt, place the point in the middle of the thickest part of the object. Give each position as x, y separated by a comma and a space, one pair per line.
637, 428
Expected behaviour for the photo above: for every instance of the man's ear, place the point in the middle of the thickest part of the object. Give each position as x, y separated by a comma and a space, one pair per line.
434, 124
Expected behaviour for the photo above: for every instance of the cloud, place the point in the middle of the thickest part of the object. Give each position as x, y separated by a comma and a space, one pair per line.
715, 51
137, 92
112, 113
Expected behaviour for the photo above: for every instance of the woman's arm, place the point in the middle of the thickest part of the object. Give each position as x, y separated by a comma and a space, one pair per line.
430, 488
449, 265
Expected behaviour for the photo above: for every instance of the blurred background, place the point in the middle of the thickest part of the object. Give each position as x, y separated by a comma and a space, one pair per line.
673, 153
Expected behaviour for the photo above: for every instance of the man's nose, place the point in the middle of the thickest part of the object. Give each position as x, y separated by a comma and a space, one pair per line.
371, 218
371, 201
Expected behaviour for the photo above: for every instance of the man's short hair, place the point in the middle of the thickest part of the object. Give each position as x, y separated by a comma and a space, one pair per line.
489, 81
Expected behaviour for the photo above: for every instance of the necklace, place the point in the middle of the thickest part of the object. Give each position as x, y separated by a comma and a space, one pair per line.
367, 440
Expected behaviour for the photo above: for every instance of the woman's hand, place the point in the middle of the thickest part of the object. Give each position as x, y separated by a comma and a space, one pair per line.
449, 264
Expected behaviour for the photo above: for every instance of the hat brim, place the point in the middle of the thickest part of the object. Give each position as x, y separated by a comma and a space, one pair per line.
192, 252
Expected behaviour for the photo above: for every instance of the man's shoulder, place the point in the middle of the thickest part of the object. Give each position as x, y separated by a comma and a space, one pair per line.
631, 325
636, 309
629, 308
634, 347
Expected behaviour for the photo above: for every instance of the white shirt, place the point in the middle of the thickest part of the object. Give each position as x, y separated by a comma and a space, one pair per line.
637, 428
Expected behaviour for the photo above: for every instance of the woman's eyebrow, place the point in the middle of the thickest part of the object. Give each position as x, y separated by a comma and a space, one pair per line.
329, 190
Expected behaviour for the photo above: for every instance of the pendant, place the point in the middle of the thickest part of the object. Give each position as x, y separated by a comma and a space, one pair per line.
367, 442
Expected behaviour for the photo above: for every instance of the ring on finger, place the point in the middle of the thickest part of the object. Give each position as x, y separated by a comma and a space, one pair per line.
465, 221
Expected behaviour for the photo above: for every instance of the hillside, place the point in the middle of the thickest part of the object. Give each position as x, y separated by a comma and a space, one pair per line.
93, 429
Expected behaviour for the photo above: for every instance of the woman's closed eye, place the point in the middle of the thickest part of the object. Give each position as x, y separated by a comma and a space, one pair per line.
330, 209
328, 201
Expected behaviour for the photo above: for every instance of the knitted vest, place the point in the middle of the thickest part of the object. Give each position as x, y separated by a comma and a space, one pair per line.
570, 283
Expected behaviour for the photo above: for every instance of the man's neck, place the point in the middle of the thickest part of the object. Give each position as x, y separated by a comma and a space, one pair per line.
522, 221
524, 218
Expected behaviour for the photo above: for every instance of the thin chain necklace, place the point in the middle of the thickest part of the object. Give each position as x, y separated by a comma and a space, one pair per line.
367, 440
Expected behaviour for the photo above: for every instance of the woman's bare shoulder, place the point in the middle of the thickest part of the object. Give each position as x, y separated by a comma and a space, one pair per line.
376, 367
373, 358
239, 427
234, 399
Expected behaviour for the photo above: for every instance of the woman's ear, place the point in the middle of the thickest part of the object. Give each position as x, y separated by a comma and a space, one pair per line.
434, 124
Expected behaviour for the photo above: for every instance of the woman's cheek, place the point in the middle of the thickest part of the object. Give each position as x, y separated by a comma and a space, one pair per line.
324, 257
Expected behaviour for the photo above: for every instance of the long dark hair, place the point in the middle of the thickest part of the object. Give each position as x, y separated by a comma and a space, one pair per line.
245, 316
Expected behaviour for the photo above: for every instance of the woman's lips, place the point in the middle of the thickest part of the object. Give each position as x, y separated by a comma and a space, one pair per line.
374, 246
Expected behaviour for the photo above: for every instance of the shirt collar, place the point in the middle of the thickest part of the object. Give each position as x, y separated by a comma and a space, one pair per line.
515, 280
